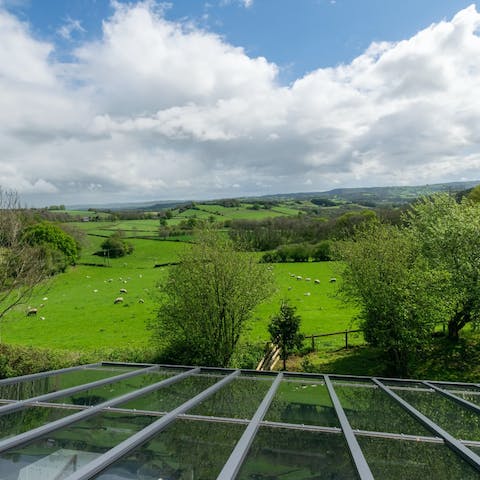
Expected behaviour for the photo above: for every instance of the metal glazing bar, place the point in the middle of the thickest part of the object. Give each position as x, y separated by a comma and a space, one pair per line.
129, 364
356, 453
125, 447
34, 376
84, 414
451, 441
451, 396
72, 390
234, 462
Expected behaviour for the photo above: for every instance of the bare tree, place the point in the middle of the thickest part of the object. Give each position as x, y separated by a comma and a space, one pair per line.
22, 266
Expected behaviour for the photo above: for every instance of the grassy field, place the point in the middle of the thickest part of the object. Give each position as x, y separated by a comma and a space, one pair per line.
321, 309
77, 310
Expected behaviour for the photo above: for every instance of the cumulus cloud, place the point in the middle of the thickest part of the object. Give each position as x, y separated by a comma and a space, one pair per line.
158, 109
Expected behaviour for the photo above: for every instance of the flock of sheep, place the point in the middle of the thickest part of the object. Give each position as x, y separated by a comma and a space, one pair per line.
308, 279
33, 311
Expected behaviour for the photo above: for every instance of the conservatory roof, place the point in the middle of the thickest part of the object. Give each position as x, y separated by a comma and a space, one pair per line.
136, 421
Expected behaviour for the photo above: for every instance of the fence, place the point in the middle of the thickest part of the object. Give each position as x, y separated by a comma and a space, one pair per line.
344, 332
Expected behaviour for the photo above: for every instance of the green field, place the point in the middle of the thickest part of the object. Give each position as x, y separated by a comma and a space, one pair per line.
76, 309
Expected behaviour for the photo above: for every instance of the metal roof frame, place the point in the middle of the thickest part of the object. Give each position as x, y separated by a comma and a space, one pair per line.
240, 452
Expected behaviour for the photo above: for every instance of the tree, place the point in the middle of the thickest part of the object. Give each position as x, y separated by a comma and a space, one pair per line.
58, 247
115, 246
284, 331
449, 237
207, 298
22, 265
399, 296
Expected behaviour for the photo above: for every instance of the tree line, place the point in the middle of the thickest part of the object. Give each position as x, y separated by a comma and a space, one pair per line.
415, 279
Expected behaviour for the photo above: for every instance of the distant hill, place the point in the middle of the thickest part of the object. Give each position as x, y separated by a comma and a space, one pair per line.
378, 195
363, 195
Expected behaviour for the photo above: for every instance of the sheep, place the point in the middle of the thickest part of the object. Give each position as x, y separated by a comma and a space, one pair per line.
141, 300
299, 277
118, 300
307, 294
333, 280
32, 311
307, 279
123, 290
317, 280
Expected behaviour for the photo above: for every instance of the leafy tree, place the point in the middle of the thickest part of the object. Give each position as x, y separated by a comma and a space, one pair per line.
474, 194
399, 296
22, 265
284, 331
207, 298
59, 249
449, 237
116, 246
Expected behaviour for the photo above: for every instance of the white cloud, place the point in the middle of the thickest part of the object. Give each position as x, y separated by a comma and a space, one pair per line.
156, 109
69, 27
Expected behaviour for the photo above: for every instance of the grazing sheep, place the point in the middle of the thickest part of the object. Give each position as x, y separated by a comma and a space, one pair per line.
333, 280
45, 298
141, 300
289, 288
32, 311
317, 280
118, 300
307, 279
95, 291
42, 318
123, 290
307, 294
299, 277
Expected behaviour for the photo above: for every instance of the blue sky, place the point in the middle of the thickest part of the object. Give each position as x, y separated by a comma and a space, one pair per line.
298, 35
118, 101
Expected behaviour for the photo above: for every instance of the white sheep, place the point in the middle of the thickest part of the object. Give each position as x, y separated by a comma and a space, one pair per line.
118, 300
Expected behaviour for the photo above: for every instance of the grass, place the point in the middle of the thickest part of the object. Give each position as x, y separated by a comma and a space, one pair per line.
322, 311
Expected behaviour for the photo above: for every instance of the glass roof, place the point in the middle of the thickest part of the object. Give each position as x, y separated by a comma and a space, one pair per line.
115, 421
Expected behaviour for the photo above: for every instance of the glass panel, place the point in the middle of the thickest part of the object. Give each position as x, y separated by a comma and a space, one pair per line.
302, 402
31, 388
239, 399
106, 392
372, 409
449, 415
168, 398
283, 454
471, 394
60, 453
185, 450
14, 423
407, 460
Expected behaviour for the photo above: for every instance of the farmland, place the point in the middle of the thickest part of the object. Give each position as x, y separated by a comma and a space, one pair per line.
77, 310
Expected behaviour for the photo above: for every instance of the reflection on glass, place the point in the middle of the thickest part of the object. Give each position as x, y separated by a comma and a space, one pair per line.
408, 460
239, 399
60, 453
112, 390
168, 398
372, 409
302, 402
185, 450
449, 415
14, 423
471, 394
283, 454
39, 386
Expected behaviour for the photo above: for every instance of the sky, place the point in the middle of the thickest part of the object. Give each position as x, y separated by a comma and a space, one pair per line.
106, 101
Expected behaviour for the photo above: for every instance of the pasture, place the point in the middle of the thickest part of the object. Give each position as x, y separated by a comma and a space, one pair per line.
76, 309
